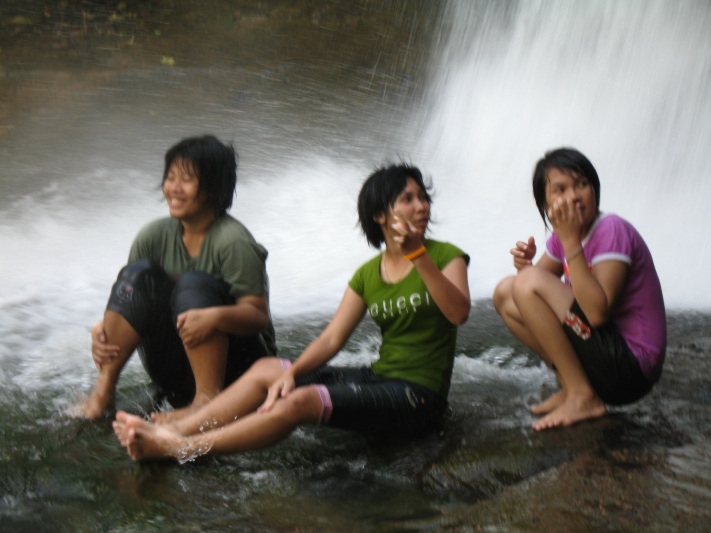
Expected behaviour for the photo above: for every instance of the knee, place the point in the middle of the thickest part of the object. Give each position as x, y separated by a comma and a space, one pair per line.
137, 270
524, 284
266, 370
197, 290
502, 293
302, 405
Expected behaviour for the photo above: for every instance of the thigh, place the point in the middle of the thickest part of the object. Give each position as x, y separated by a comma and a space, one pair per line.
329, 375
611, 367
393, 407
546, 285
141, 295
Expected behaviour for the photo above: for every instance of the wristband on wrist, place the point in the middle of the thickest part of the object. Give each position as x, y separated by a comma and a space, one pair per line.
575, 254
417, 253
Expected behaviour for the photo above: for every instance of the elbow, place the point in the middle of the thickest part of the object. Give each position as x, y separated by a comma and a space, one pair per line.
460, 316
262, 323
597, 318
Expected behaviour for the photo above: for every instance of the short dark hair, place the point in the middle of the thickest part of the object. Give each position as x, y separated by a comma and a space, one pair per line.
566, 160
378, 194
215, 164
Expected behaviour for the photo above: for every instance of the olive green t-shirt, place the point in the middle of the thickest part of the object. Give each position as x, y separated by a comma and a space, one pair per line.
418, 340
228, 253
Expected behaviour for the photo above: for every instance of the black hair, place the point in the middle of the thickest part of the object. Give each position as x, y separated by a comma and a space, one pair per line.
378, 194
569, 161
214, 163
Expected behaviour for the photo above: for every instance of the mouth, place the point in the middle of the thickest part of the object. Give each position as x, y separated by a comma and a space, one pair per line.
175, 202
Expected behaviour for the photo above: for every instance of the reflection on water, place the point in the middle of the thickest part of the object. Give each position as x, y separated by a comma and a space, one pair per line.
313, 94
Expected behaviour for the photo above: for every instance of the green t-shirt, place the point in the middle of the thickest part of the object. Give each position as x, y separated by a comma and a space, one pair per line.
418, 340
228, 253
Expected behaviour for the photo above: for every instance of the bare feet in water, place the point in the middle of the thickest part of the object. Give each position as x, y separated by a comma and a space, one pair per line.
574, 409
168, 417
144, 440
99, 404
548, 405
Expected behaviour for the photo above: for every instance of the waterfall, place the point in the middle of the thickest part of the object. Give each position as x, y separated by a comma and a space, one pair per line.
626, 83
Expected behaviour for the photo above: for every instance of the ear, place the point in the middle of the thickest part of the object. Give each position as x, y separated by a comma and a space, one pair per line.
380, 218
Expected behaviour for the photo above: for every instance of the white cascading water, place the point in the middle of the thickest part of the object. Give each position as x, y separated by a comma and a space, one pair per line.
626, 83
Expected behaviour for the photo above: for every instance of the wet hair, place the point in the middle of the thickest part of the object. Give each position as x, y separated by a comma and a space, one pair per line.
569, 161
214, 163
378, 194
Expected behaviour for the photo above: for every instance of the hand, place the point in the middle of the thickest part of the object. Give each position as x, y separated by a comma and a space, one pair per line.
195, 326
279, 389
101, 352
566, 219
406, 234
524, 253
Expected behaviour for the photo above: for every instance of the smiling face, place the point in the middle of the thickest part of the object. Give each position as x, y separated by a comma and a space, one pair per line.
573, 187
181, 189
412, 204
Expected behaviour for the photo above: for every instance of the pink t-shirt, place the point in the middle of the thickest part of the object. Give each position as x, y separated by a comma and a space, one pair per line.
639, 316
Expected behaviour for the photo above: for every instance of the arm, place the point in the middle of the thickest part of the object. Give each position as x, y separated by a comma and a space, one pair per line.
596, 292
248, 316
319, 352
448, 287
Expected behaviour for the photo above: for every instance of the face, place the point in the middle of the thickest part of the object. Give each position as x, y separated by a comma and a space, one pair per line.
578, 189
180, 188
412, 204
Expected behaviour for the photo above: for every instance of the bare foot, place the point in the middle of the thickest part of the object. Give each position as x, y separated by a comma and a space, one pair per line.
168, 417
547, 406
144, 440
99, 404
574, 409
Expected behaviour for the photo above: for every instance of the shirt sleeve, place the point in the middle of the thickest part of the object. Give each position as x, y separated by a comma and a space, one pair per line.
554, 248
141, 247
243, 268
357, 282
442, 253
612, 242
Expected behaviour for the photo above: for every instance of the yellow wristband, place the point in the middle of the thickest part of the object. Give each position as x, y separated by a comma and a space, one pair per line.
417, 253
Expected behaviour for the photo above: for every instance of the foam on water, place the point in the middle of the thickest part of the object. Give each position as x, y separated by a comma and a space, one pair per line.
627, 83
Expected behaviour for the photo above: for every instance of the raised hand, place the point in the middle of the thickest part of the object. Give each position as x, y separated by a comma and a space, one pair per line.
566, 219
408, 235
524, 253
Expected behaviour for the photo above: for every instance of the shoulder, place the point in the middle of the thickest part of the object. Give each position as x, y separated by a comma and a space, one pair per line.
612, 238
229, 237
158, 228
442, 253
368, 271
229, 227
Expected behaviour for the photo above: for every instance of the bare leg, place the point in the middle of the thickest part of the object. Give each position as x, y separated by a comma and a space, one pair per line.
237, 400
543, 302
144, 440
506, 307
118, 332
208, 362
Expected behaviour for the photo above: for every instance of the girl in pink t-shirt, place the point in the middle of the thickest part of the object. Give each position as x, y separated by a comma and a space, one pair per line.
603, 330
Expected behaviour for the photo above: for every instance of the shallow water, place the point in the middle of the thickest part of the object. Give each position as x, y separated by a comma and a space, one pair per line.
314, 94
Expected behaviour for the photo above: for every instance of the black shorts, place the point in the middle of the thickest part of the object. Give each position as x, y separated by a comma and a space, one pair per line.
611, 367
151, 301
361, 401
